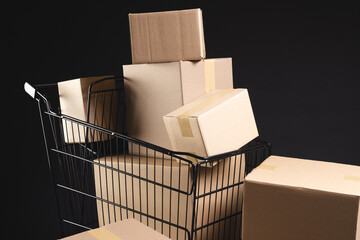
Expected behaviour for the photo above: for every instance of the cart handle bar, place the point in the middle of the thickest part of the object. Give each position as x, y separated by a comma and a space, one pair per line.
33, 93
29, 89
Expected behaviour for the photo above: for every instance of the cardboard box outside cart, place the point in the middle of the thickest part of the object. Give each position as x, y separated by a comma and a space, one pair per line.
153, 90
167, 36
128, 229
218, 122
73, 97
133, 192
289, 198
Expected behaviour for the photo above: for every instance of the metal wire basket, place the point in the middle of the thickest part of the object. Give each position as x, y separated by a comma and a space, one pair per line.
100, 175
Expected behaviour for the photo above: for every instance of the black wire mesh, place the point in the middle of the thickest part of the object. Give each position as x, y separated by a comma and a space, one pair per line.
97, 180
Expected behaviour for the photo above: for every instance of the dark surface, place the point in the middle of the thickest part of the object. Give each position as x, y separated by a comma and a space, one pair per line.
300, 63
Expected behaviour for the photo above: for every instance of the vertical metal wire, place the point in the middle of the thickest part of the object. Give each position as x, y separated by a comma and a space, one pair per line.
132, 181
139, 185
79, 140
118, 174
50, 168
187, 198
221, 199
155, 167
240, 194
162, 196
178, 201
171, 171
233, 189
147, 184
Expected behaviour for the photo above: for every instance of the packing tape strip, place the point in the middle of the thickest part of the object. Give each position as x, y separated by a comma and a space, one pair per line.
209, 74
352, 178
183, 119
185, 127
103, 234
267, 167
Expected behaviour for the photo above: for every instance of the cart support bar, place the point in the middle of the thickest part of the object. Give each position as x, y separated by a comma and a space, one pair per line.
29, 89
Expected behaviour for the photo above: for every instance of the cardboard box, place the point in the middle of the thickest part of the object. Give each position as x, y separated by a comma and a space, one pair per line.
153, 90
167, 36
128, 229
73, 96
289, 198
133, 192
218, 122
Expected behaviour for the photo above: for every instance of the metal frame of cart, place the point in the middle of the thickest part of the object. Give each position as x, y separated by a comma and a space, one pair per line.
97, 180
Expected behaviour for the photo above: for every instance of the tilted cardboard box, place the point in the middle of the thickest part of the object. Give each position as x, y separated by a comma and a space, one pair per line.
160, 196
128, 229
218, 122
153, 90
73, 96
289, 198
167, 36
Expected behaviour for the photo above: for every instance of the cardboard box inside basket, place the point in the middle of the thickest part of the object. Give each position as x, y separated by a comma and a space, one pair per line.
288, 198
218, 122
153, 90
73, 97
162, 200
167, 36
128, 229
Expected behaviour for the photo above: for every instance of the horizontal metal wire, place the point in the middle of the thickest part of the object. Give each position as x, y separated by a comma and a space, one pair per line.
121, 171
124, 207
217, 221
77, 179
218, 190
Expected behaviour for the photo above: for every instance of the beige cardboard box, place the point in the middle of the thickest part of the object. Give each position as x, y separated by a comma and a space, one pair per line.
73, 96
215, 123
128, 229
153, 90
132, 192
167, 36
289, 198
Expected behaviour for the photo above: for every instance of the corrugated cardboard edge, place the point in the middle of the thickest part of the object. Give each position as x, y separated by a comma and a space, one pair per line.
132, 41
131, 37
181, 82
202, 33
202, 138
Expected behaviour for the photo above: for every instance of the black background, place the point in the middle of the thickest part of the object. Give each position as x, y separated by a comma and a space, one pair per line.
300, 62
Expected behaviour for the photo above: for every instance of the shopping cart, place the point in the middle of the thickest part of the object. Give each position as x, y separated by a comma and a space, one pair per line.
100, 175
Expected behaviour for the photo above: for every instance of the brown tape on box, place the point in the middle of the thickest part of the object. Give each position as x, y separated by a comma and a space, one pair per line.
103, 234
183, 118
185, 127
352, 178
267, 167
209, 75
